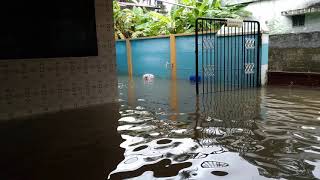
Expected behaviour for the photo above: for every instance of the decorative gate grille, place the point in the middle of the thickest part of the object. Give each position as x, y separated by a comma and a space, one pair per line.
227, 54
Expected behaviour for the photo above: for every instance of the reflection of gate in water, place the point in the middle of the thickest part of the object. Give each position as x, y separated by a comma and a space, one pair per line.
228, 119
227, 54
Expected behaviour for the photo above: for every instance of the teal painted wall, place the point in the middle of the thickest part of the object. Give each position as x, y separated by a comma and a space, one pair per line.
153, 56
121, 54
185, 48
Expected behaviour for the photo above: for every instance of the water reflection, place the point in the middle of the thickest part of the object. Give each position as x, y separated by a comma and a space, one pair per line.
268, 133
80, 144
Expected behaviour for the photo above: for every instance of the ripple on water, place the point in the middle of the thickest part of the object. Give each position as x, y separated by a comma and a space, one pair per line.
292, 166
163, 168
213, 164
140, 148
219, 173
140, 108
131, 160
164, 141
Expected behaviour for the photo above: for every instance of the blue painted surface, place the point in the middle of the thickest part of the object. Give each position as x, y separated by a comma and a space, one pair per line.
265, 54
185, 48
194, 78
229, 58
121, 54
151, 56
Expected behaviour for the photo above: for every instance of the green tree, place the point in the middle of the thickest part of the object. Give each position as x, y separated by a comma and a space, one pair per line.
139, 22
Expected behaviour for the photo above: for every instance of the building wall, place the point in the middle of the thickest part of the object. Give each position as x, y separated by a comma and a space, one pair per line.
312, 23
268, 12
34, 86
295, 52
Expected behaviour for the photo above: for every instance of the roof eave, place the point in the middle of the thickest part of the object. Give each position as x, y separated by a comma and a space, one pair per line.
308, 10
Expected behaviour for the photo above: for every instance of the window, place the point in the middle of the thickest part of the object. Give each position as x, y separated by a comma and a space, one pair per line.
298, 20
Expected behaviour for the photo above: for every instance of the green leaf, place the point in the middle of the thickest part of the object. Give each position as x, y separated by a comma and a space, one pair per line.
140, 22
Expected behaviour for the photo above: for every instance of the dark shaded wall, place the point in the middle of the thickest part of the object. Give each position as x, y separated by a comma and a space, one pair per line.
38, 29
295, 52
33, 86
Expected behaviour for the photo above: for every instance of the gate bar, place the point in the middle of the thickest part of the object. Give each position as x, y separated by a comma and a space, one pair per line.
197, 58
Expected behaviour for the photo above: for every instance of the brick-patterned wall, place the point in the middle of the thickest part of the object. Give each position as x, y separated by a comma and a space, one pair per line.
298, 52
35, 86
294, 59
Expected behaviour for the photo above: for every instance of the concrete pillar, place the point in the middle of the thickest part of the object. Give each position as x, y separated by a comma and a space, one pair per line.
129, 57
264, 57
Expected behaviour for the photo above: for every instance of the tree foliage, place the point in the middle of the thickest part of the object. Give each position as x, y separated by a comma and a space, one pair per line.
139, 22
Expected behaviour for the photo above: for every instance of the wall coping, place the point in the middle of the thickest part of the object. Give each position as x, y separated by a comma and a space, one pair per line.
294, 72
179, 35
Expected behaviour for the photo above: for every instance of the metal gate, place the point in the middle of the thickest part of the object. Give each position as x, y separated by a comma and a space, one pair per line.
227, 54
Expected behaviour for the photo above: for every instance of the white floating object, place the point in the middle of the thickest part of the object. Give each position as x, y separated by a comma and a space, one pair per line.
148, 77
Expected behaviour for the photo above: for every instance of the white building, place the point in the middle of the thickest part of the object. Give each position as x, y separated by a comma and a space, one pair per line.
284, 16
148, 4
162, 6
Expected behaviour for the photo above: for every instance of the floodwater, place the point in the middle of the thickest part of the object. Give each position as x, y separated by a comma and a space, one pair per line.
170, 133
162, 130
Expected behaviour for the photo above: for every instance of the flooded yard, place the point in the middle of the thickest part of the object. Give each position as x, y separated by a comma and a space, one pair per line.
170, 133
162, 130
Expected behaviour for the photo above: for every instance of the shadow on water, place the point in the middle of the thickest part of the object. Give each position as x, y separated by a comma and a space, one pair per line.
266, 133
78, 144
